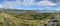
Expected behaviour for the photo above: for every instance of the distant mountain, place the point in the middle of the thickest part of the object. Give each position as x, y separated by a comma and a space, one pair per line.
24, 11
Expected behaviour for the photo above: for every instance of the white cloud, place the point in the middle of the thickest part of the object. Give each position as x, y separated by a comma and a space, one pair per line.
11, 5
46, 3
28, 2
16, 3
8, 5
0, 6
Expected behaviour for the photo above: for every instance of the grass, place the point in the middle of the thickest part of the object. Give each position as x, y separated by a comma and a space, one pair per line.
25, 17
1, 18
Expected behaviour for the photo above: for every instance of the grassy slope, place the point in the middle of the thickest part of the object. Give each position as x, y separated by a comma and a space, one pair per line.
22, 19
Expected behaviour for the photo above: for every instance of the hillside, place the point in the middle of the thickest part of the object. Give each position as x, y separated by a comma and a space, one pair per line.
26, 19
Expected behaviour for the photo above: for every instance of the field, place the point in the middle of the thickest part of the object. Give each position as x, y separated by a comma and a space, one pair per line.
28, 18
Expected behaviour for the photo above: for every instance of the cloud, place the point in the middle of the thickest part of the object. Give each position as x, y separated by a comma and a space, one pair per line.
46, 3
8, 5
16, 3
11, 5
28, 2
0, 6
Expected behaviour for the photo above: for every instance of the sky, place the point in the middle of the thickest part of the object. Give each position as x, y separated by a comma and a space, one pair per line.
30, 4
